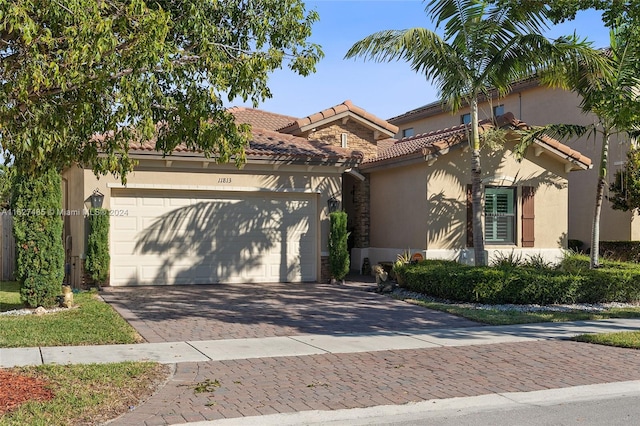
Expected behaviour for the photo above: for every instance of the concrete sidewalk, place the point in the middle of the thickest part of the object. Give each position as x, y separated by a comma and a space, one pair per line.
307, 344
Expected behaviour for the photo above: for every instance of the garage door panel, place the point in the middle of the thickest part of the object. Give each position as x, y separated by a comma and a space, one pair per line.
123, 202
179, 202
180, 238
125, 223
151, 201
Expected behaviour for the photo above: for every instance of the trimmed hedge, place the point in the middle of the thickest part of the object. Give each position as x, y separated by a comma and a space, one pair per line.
521, 285
338, 250
97, 263
37, 227
623, 251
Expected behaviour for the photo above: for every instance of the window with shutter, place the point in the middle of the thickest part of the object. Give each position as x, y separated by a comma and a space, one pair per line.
499, 216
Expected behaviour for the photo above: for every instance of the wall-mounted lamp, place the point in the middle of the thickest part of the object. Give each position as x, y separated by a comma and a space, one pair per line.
96, 199
333, 204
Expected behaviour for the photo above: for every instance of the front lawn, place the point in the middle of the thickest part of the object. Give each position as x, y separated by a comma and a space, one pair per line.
623, 339
9, 296
91, 322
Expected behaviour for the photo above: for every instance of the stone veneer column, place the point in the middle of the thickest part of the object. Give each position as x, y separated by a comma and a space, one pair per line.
325, 272
362, 213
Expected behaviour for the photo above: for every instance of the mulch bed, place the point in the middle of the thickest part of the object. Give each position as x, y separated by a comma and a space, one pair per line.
15, 390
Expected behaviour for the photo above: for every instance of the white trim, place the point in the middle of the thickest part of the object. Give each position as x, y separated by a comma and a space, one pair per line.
355, 174
209, 188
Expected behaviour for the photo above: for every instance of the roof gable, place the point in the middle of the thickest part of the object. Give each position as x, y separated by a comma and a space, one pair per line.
426, 146
345, 110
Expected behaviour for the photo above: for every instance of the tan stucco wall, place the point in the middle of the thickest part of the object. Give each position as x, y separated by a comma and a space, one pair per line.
540, 106
177, 175
398, 207
425, 206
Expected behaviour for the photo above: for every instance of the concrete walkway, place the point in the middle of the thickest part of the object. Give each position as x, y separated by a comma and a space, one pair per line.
307, 344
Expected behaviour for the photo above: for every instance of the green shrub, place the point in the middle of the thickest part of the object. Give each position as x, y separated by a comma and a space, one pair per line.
510, 260
338, 251
537, 261
37, 227
574, 262
623, 251
575, 245
522, 285
97, 263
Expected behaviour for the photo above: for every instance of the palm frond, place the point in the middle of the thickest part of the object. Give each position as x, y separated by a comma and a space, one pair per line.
555, 131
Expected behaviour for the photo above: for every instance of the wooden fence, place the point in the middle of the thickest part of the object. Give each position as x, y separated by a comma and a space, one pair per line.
7, 248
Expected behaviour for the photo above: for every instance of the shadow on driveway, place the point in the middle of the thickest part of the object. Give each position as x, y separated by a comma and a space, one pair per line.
234, 311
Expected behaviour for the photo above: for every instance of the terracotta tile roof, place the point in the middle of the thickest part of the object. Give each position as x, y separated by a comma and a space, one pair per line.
268, 143
385, 144
509, 119
435, 140
425, 144
259, 118
271, 143
347, 106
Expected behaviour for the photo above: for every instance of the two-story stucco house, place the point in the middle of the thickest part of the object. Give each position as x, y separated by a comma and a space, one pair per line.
540, 105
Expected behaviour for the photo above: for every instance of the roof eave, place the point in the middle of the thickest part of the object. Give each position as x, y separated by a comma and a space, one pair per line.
295, 128
337, 161
390, 163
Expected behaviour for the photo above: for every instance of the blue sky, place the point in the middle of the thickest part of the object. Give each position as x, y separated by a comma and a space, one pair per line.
383, 89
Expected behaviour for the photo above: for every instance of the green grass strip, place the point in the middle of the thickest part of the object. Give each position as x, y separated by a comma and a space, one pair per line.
92, 322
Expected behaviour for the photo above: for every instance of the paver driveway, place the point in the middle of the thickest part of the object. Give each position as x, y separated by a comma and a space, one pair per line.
232, 311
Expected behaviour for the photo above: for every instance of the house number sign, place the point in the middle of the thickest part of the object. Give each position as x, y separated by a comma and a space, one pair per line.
224, 180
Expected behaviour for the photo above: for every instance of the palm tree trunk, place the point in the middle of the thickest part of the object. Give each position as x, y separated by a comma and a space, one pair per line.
602, 181
476, 188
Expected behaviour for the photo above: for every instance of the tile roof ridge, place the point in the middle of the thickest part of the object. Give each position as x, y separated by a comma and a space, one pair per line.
345, 106
432, 133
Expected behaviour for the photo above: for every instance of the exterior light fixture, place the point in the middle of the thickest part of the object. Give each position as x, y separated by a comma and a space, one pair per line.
96, 199
333, 204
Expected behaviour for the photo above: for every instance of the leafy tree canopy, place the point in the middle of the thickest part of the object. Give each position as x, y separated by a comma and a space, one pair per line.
565, 10
5, 186
150, 70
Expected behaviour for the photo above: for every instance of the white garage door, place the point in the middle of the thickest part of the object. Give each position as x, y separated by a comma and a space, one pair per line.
196, 237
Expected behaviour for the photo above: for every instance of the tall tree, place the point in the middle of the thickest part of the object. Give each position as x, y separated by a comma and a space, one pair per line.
76, 68
149, 71
614, 99
5, 187
482, 46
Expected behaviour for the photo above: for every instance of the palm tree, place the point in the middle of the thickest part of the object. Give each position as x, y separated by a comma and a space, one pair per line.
614, 99
482, 46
